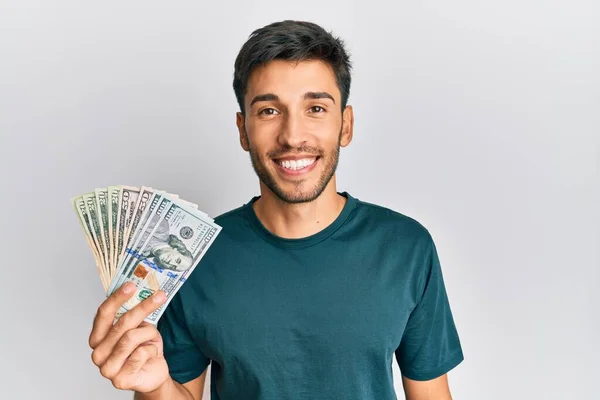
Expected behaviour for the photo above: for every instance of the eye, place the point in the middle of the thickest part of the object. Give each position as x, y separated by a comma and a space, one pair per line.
178, 261
317, 109
267, 111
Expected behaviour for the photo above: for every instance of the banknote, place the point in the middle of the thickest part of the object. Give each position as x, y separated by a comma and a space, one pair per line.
173, 242
130, 218
141, 207
127, 201
102, 209
92, 209
151, 237
146, 204
84, 219
154, 210
113, 214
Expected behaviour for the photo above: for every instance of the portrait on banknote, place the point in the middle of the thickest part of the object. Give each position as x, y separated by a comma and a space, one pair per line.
166, 250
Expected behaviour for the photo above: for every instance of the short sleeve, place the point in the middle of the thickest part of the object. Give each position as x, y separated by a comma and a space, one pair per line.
186, 362
430, 346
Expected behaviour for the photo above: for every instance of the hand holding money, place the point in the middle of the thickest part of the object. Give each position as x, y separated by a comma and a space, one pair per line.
130, 352
145, 236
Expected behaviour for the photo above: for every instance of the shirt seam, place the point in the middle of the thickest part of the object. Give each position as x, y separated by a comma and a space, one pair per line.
441, 365
290, 245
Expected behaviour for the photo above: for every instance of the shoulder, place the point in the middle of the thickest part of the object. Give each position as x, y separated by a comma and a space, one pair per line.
231, 216
392, 221
235, 224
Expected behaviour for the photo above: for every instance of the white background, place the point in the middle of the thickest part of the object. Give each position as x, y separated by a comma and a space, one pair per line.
479, 119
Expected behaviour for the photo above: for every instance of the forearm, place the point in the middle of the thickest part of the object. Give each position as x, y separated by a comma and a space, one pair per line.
433, 397
435, 389
170, 390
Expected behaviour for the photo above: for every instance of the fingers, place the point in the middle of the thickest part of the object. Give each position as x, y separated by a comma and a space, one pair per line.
128, 376
122, 348
106, 313
128, 321
134, 317
110, 360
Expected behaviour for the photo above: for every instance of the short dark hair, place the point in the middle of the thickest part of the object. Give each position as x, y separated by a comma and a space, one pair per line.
293, 41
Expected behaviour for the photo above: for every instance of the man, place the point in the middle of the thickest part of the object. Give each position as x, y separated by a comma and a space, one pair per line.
307, 293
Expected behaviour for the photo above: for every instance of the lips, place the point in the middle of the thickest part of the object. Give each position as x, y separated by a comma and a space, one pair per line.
296, 166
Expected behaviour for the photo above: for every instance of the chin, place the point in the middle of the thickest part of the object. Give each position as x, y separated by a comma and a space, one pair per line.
297, 196
301, 191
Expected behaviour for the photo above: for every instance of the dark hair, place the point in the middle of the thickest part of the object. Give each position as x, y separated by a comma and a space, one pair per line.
294, 41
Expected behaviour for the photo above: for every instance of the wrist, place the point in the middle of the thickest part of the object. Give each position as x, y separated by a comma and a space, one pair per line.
164, 391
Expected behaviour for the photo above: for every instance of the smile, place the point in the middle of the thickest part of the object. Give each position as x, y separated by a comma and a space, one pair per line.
296, 166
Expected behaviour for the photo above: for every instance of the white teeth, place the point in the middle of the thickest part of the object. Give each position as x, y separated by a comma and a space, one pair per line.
297, 164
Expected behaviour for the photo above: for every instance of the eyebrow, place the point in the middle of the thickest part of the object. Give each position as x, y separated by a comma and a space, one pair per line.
318, 95
307, 95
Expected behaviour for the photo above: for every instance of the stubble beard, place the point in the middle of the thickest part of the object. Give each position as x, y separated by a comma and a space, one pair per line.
297, 195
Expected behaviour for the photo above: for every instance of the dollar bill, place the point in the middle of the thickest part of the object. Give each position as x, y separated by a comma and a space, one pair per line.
113, 214
193, 209
84, 220
141, 234
191, 205
148, 199
103, 220
174, 241
142, 216
156, 205
92, 209
144, 199
127, 201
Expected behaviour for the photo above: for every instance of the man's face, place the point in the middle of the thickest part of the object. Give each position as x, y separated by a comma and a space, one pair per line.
294, 127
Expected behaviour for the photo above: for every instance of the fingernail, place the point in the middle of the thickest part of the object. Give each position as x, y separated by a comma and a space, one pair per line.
128, 287
159, 297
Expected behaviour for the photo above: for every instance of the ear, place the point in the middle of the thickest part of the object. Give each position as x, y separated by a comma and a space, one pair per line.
347, 126
241, 125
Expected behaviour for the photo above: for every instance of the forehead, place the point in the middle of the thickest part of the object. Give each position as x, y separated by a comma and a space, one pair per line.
291, 79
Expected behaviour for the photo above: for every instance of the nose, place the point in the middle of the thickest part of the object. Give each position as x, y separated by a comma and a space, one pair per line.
292, 133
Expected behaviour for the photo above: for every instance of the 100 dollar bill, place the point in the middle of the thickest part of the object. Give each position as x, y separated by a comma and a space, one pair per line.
169, 248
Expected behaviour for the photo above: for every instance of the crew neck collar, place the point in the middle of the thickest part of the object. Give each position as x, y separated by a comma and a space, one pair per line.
305, 241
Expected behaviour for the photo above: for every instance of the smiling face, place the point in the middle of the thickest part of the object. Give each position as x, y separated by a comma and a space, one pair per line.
294, 127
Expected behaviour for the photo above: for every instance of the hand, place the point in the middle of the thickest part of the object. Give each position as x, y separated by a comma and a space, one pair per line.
130, 352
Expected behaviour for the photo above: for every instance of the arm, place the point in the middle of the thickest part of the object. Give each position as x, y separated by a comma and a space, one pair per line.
171, 390
430, 346
434, 389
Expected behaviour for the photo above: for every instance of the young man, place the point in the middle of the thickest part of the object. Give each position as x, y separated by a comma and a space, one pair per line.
307, 293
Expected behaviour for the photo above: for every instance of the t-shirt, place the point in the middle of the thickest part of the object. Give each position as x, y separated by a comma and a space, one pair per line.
319, 317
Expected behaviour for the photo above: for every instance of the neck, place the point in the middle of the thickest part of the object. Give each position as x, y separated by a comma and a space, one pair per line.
295, 221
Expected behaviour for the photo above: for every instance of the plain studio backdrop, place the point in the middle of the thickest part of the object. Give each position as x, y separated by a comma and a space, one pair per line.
478, 119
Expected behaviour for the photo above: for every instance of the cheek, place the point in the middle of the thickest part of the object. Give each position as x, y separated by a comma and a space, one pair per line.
325, 131
258, 129
262, 142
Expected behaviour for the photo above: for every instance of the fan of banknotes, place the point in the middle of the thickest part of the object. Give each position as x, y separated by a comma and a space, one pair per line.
146, 236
